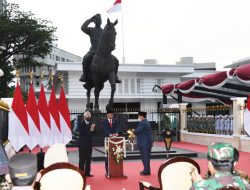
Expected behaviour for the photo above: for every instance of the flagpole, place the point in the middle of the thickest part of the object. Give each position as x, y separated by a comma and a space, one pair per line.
123, 55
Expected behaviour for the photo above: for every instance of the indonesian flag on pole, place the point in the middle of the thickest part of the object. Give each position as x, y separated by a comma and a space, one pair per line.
247, 117
33, 120
18, 121
44, 116
116, 7
64, 118
54, 118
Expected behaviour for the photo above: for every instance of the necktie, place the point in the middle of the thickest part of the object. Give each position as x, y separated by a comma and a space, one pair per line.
110, 123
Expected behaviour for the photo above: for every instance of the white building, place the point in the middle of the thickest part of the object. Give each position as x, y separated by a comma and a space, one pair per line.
48, 64
135, 91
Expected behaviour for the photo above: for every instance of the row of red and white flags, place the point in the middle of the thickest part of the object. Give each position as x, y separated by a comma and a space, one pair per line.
39, 123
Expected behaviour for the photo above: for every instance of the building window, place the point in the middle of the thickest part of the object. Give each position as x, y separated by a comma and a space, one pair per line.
126, 86
138, 83
57, 58
63, 59
37, 83
132, 86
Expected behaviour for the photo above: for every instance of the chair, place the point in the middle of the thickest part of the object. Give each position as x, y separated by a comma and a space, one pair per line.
174, 174
62, 176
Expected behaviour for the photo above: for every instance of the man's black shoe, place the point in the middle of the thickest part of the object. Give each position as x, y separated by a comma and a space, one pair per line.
89, 175
142, 173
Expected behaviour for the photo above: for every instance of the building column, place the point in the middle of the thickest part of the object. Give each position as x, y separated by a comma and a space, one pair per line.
183, 115
238, 113
238, 120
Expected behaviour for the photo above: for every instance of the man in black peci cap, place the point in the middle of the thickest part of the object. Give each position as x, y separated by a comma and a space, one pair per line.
110, 127
144, 141
22, 171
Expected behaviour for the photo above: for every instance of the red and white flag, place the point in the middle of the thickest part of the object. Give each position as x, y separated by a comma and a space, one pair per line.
54, 118
18, 121
117, 6
33, 120
247, 117
64, 118
44, 116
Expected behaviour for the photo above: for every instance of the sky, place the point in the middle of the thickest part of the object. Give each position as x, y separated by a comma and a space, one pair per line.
208, 30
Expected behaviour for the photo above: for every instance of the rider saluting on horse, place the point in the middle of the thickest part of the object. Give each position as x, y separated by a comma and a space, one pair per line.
94, 33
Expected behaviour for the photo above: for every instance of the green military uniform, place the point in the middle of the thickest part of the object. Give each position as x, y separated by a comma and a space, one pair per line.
219, 180
225, 153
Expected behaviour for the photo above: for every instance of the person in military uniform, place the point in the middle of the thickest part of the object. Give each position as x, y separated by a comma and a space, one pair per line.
22, 171
221, 162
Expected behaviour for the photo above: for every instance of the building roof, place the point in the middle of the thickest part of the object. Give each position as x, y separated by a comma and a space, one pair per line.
138, 68
239, 62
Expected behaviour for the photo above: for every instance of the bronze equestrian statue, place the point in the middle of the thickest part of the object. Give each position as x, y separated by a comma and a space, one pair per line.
103, 67
94, 34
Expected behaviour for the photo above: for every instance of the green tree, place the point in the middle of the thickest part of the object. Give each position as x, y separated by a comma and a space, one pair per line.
24, 34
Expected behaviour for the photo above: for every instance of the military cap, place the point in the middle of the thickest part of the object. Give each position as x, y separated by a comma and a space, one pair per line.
142, 113
221, 151
23, 166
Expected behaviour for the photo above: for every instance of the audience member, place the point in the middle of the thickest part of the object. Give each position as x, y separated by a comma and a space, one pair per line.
221, 160
144, 141
86, 129
56, 153
22, 171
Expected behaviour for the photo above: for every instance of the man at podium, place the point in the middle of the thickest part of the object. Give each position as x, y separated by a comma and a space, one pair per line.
110, 127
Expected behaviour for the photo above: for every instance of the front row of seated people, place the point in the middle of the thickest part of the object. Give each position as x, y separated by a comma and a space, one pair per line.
23, 172
222, 157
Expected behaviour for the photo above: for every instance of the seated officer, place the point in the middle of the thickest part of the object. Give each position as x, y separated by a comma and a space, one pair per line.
220, 164
22, 171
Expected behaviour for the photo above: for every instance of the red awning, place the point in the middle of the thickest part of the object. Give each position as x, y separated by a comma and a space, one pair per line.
243, 73
214, 80
168, 88
187, 86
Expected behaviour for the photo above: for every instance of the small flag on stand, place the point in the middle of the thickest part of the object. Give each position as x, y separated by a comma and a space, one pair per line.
18, 121
55, 118
33, 120
64, 118
117, 6
44, 116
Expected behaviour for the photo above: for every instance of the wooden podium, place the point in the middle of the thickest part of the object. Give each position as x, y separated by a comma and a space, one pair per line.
116, 152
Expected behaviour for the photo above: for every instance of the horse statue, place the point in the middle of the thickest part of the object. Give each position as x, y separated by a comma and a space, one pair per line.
103, 66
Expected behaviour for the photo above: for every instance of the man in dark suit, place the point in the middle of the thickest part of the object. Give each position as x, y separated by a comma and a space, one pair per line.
144, 141
110, 127
86, 130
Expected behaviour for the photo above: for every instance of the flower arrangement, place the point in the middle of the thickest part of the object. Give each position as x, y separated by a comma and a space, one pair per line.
118, 153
